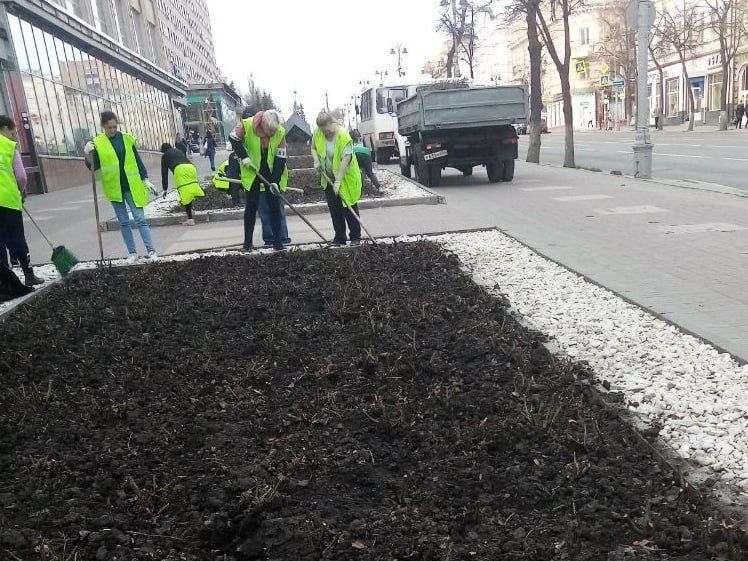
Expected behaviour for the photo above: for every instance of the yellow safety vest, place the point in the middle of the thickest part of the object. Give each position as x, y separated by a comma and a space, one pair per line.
221, 171
350, 187
10, 196
110, 174
253, 145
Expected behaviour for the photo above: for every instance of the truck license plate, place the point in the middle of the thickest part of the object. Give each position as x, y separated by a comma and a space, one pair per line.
435, 155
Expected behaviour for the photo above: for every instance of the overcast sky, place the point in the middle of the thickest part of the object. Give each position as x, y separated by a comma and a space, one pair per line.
320, 45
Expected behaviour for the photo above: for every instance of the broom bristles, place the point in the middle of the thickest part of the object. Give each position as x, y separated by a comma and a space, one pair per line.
64, 260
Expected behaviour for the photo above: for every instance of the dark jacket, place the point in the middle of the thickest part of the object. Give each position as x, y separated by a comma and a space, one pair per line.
169, 161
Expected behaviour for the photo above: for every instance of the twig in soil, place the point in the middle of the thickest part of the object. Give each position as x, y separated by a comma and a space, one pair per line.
153, 535
12, 556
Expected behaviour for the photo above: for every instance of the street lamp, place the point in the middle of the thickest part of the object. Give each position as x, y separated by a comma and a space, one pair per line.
381, 74
399, 50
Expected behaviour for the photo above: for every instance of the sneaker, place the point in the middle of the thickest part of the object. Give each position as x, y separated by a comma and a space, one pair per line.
248, 249
278, 247
189, 222
153, 256
355, 242
336, 243
131, 259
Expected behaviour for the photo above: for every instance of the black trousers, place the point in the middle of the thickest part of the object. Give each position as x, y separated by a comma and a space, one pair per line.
364, 162
250, 214
340, 216
13, 237
188, 210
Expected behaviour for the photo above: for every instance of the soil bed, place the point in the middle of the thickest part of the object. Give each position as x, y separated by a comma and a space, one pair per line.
216, 199
371, 404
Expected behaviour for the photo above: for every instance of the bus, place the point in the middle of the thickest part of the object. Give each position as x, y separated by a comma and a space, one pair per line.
378, 119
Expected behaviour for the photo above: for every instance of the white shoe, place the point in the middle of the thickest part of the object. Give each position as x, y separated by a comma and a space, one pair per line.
131, 259
153, 256
189, 222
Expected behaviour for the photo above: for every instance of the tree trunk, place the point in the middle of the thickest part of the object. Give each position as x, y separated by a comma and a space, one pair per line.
536, 94
689, 89
450, 60
724, 118
662, 97
569, 161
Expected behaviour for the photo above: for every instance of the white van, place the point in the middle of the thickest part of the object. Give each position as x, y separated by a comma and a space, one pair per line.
378, 120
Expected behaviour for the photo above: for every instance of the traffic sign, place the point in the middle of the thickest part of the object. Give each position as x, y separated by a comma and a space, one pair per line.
604, 68
605, 80
619, 83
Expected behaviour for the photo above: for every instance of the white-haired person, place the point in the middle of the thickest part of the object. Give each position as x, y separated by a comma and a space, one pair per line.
260, 144
332, 150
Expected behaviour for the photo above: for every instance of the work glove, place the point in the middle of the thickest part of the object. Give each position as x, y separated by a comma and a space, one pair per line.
274, 189
247, 163
89, 147
151, 187
336, 188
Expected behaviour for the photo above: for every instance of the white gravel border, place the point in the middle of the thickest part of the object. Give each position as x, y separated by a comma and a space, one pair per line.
669, 379
394, 186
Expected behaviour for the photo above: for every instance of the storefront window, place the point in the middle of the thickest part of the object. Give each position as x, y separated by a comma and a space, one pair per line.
66, 90
715, 91
672, 89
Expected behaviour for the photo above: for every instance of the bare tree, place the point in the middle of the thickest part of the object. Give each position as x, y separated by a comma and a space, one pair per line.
657, 50
471, 38
680, 29
726, 19
528, 10
562, 60
618, 45
452, 21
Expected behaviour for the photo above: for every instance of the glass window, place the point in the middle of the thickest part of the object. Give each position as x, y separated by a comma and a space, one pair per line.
74, 7
45, 117
715, 91
41, 49
584, 36
672, 89
28, 35
33, 106
19, 44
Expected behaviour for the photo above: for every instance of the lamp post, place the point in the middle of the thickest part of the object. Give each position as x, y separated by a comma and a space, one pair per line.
399, 50
381, 74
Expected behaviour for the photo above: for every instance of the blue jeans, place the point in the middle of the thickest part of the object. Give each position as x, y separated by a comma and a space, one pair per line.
211, 155
267, 231
120, 209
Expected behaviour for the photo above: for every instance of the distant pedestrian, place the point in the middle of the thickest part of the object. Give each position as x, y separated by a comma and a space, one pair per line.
739, 113
658, 118
364, 159
13, 180
210, 150
332, 150
124, 180
185, 178
182, 144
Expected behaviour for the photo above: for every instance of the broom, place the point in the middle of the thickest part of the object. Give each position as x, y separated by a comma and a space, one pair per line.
63, 259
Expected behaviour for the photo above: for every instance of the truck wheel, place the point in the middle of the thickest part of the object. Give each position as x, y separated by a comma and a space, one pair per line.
405, 170
495, 171
467, 172
508, 173
435, 176
428, 176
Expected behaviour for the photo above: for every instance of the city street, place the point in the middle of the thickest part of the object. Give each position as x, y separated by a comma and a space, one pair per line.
702, 155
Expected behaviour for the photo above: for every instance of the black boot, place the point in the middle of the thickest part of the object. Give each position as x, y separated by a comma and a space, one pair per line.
31, 279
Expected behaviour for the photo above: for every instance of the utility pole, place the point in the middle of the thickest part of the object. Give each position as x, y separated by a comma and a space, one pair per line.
399, 50
643, 143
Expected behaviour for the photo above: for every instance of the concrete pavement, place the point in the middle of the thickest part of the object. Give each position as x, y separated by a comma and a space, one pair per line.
705, 154
680, 252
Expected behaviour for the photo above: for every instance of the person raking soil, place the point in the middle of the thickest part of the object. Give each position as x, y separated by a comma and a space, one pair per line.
260, 144
185, 178
13, 180
124, 180
332, 151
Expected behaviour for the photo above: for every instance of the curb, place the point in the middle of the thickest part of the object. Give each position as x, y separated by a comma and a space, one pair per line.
679, 183
432, 198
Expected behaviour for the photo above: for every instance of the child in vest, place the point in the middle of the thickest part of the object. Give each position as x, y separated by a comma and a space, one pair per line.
363, 156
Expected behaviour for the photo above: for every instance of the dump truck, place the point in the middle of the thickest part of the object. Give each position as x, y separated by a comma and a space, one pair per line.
461, 128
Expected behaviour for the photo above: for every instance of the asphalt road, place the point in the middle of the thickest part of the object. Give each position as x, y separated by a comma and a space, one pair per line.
710, 156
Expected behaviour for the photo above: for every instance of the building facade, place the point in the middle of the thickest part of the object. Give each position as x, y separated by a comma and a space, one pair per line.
214, 108
188, 40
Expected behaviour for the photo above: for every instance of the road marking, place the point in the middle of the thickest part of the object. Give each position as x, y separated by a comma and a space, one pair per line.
700, 228
582, 198
736, 159
672, 155
645, 209
548, 188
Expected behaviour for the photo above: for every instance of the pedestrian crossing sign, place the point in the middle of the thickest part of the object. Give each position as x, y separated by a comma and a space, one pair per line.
604, 80
581, 67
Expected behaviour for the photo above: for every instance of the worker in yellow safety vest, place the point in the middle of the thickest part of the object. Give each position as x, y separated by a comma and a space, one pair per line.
124, 179
185, 178
332, 151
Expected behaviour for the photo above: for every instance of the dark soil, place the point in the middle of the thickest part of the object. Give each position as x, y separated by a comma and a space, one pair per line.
215, 199
370, 404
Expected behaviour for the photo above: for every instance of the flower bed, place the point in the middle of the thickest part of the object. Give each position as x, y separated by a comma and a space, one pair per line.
367, 404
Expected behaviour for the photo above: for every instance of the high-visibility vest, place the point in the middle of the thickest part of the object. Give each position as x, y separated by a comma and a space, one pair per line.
110, 174
221, 171
253, 146
350, 187
10, 196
